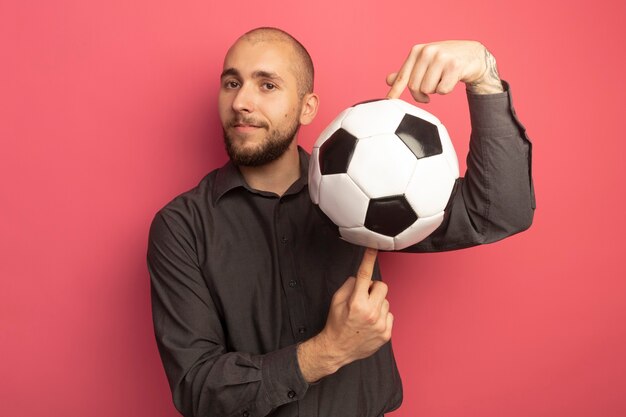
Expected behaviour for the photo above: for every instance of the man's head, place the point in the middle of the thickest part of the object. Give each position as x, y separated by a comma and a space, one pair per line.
266, 93
302, 65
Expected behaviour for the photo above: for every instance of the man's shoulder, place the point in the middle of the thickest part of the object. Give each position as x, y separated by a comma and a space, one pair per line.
191, 202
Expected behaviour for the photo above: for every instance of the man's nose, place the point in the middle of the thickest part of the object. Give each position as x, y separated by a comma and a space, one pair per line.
244, 99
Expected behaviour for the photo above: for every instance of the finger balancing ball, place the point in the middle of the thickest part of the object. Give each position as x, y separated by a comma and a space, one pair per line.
383, 172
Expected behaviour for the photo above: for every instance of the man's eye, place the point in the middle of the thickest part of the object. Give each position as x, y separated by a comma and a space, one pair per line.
269, 86
231, 84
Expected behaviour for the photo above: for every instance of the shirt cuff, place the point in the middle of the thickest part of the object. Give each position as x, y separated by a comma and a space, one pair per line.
282, 376
493, 112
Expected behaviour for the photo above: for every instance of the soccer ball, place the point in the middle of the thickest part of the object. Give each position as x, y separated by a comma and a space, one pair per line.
383, 172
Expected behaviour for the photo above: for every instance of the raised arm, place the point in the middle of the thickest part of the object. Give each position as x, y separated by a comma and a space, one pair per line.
495, 198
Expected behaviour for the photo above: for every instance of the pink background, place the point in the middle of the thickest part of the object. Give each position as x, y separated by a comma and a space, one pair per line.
108, 111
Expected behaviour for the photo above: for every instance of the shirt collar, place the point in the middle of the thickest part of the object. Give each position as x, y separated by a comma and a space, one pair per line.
229, 177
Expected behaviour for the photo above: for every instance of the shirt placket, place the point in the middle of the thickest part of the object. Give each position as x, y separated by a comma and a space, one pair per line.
291, 284
293, 290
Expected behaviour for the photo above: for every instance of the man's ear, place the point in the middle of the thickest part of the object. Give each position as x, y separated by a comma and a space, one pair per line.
310, 103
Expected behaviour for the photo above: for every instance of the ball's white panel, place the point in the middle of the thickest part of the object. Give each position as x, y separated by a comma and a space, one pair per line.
373, 118
430, 186
364, 237
315, 176
342, 200
448, 151
382, 165
331, 128
418, 231
415, 111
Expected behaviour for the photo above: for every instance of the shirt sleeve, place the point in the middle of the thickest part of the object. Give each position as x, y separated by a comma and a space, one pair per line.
206, 379
495, 198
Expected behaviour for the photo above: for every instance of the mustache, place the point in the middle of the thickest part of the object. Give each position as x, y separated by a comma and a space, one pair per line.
246, 121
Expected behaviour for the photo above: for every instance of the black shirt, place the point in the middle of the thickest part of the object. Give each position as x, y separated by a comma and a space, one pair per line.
240, 277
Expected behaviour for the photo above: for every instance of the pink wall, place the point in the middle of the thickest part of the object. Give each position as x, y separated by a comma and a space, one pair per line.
108, 111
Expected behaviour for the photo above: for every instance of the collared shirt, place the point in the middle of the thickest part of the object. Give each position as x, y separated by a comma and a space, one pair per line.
240, 277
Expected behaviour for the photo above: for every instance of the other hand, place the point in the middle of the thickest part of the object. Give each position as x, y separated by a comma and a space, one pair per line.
359, 321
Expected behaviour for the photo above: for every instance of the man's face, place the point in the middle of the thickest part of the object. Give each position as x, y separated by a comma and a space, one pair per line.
259, 103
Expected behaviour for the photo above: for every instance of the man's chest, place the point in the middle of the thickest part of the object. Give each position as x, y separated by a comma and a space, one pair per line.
273, 264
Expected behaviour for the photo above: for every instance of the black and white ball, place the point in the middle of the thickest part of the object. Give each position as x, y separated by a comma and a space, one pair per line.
383, 172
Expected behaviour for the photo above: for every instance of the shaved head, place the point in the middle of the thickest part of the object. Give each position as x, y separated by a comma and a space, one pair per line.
302, 64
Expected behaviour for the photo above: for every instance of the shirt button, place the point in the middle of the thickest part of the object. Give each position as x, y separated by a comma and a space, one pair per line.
284, 239
246, 414
293, 283
302, 330
291, 394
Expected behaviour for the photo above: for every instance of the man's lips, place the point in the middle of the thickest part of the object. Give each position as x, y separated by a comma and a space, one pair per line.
246, 126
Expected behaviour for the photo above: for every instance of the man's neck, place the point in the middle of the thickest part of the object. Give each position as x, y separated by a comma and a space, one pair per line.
278, 175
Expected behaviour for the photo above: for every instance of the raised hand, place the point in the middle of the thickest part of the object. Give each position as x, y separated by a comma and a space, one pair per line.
437, 67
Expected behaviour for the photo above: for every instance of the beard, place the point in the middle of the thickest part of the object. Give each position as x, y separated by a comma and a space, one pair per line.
273, 146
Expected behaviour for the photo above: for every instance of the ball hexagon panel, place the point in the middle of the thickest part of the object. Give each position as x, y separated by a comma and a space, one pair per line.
382, 165
418, 231
390, 215
315, 176
421, 136
336, 152
331, 128
373, 118
345, 204
430, 186
364, 237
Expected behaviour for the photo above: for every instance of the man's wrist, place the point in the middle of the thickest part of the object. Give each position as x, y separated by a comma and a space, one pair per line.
489, 82
316, 359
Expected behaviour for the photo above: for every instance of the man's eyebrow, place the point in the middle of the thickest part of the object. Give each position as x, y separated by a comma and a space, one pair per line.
266, 74
230, 72
256, 74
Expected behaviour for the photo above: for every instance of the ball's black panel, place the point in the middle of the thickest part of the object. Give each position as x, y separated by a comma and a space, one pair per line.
336, 152
420, 136
389, 215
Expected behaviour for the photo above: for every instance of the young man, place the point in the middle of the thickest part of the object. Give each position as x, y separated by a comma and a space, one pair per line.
259, 308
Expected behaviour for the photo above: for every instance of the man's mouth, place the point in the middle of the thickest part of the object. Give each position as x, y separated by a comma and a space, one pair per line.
245, 128
247, 125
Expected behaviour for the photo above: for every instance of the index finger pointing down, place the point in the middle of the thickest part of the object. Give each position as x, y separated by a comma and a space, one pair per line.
401, 79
